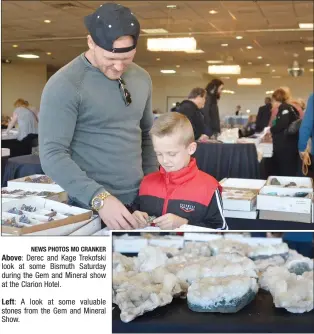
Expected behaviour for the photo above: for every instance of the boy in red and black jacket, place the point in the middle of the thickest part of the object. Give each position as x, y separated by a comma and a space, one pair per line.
179, 193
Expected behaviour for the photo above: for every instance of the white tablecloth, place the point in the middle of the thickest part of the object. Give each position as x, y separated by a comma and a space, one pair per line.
12, 135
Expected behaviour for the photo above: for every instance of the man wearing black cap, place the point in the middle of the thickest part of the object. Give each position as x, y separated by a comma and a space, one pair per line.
95, 117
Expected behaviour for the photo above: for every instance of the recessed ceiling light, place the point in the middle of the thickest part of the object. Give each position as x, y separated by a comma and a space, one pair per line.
249, 63
295, 55
28, 56
48, 53
239, 37
214, 61
225, 44
158, 59
177, 66
226, 91
267, 65
47, 21
213, 12
248, 111
249, 47
225, 78
155, 31
259, 57
310, 60
309, 48
168, 71
193, 71
14, 46
269, 91
311, 70
172, 6
306, 25
273, 71
276, 76
224, 69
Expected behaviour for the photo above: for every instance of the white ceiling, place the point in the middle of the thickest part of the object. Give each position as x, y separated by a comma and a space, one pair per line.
271, 27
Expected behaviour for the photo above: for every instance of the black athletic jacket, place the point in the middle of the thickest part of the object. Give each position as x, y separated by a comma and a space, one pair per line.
188, 193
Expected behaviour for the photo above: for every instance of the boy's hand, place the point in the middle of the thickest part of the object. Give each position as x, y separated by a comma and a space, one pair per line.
170, 221
141, 218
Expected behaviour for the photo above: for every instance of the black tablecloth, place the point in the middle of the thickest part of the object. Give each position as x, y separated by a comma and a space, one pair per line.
228, 160
266, 225
260, 316
4, 161
21, 166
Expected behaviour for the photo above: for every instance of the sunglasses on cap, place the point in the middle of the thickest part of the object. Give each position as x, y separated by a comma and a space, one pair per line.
124, 92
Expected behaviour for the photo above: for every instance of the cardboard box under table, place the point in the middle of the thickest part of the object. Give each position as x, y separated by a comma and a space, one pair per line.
38, 220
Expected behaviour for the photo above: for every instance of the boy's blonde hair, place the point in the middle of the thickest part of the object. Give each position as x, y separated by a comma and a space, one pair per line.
173, 123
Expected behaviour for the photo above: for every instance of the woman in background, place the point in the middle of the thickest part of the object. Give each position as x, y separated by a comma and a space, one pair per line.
285, 157
26, 119
210, 110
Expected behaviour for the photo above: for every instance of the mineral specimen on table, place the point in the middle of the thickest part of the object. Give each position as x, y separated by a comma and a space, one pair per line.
150, 258
221, 294
197, 249
275, 182
291, 184
150, 219
216, 267
24, 219
299, 265
28, 208
265, 251
293, 292
274, 261
15, 211
228, 246
121, 263
271, 275
145, 292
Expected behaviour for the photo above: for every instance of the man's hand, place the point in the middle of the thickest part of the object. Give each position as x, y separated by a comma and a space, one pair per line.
170, 221
116, 216
141, 218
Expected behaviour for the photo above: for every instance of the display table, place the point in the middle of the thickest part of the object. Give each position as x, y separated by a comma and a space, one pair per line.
260, 316
266, 225
236, 120
228, 160
21, 166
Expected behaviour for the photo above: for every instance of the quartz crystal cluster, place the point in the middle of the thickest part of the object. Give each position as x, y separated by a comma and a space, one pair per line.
220, 276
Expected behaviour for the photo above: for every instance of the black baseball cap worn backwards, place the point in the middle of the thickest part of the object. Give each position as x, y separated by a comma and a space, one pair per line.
109, 22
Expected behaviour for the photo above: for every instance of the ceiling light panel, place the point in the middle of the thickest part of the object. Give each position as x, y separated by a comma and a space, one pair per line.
171, 44
155, 31
249, 81
224, 69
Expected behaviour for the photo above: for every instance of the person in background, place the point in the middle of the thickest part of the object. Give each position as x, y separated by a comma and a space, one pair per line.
285, 157
238, 110
249, 128
306, 132
26, 119
95, 118
302, 242
191, 109
290, 101
175, 107
210, 110
179, 193
263, 115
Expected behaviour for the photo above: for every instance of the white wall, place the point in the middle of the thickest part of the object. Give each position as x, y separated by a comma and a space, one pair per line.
249, 97
21, 80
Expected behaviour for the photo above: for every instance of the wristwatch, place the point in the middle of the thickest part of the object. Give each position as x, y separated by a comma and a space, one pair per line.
98, 200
